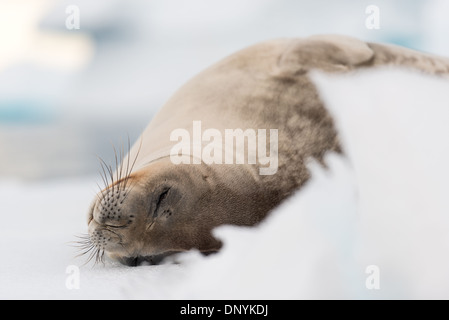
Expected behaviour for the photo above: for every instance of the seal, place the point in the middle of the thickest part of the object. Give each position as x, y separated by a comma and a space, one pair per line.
152, 206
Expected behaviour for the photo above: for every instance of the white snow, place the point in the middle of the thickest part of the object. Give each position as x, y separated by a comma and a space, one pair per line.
384, 204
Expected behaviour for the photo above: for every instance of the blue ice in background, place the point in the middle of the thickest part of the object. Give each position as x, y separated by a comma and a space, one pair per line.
67, 96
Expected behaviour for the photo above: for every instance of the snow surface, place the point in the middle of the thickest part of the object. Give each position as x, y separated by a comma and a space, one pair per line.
384, 204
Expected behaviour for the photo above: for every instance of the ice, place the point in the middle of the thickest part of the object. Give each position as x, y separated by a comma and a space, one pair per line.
384, 204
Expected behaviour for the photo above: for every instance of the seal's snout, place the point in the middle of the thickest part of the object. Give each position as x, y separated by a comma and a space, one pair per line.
110, 221
109, 209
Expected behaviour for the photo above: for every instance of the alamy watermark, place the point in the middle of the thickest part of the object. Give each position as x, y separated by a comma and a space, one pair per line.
210, 147
372, 21
73, 279
73, 19
372, 282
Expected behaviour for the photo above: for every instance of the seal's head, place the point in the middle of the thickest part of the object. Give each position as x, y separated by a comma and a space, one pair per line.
163, 209
151, 213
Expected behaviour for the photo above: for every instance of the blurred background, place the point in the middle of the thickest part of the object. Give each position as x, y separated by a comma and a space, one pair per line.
79, 77
68, 94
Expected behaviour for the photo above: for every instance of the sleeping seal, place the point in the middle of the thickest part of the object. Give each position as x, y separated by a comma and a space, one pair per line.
184, 177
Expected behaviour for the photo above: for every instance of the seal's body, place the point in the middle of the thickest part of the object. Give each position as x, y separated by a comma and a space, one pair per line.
155, 207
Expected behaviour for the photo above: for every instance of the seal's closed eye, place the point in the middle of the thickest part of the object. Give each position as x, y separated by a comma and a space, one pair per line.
161, 198
159, 201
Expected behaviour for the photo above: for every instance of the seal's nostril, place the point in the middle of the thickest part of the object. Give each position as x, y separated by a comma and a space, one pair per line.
129, 261
145, 260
